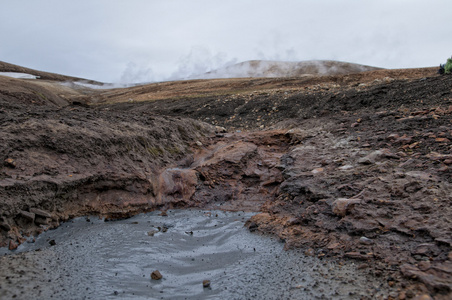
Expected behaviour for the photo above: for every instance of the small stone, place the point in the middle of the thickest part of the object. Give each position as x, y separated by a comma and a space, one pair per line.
365, 241
410, 294
156, 275
52, 242
12, 245
343, 205
393, 295
362, 266
29, 216
423, 297
309, 252
356, 255
163, 214
10, 163
199, 143
41, 212
5, 226
442, 140
332, 246
317, 170
41, 221
206, 283
152, 232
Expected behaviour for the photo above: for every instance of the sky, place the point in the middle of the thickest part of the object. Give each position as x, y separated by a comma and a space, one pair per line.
130, 41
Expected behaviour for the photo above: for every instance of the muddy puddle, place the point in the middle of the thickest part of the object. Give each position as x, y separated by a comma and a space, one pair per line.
93, 259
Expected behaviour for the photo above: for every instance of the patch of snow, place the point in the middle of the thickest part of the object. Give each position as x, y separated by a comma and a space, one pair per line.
105, 86
19, 75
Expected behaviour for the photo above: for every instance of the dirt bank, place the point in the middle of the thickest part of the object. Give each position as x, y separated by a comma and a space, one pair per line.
354, 166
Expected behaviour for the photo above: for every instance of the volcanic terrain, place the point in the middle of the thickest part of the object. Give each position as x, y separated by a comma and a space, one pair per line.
354, 166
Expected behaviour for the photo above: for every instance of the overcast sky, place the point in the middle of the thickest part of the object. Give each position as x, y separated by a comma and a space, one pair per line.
149, 40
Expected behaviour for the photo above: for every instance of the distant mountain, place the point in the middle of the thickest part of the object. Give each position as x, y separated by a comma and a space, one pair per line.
264, 68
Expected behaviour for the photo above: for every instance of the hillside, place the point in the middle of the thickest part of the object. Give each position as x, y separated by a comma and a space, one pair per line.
345, 167
7, 67
264, 68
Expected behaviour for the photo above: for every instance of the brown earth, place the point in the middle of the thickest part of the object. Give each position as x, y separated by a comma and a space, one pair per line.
351, 166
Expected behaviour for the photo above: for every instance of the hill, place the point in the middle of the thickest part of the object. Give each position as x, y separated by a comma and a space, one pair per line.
346, 167
263, 68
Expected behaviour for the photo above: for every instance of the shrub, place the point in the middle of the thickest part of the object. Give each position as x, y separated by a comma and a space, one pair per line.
448, 66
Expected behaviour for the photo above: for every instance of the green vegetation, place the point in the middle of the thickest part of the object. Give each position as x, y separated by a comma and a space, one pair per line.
448, 66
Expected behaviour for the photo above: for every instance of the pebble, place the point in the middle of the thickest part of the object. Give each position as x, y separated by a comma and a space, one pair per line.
365, 241
206, 283
342, 205
29, 216
423, 297
152, 232
156, 275
10, 163
41, 212
12, 245
309, 252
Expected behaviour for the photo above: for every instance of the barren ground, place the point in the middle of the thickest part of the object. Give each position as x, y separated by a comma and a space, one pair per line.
345, 167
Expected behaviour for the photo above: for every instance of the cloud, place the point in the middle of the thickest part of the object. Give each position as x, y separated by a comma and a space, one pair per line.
198, 61
134, 73
179, 38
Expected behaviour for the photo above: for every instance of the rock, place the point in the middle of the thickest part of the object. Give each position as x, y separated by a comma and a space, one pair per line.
376, 156
345, 167
365, 241
252, 226
156, 275
309, 252
433, 282
442, 140
206, 283
40, 212
152, 232
163, 213
357, 255
220, 129
29, 216
362, 266
5, 226
426, 249
12, 245
317, 170
41, 220
10, 163
332, 246
52, 242
423, 297
342, 206
199, 143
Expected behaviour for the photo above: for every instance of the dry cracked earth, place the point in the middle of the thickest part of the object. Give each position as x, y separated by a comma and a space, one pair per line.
348, 167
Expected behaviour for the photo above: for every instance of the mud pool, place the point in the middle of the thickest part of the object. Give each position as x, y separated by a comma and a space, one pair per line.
93, 259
